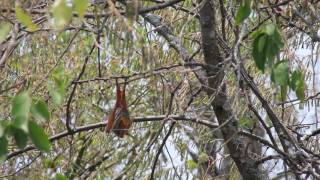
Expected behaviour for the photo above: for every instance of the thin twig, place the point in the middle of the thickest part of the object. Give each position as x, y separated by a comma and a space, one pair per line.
68, 118
19, 170
159, 6
160, 149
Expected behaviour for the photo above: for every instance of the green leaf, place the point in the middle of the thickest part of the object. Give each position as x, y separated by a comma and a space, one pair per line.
271, 50
21, 123
296, 76
40, 110
191, 164
48, 163
243, 12
59, 176
258, 56
57, 96
62, 14
2, 129
38, 137
80, 6
274, 46
261, 43
246, 122
58, 73
20, 137
3, 125
266, 45
4, 31
281, 73
270, 29
300, 90
297, 84
25, 19
3, 147
283, 93
277, 40
21, 107
57, 87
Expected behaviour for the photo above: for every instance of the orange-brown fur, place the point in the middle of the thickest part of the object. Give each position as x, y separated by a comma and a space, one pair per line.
119, 121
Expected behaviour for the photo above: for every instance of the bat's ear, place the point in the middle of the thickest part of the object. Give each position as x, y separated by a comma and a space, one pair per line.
118, 89
125, 82
117, 83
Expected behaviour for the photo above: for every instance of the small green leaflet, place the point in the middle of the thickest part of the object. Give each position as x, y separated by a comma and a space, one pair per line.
246, 122
300, 90
262, 42
267, 43
40, 110
191, 164
57, 86
38, 137
80, 6
270, 29
62, 14
280, 73
296, 76
21, 107
2, 127
297, 84
59, 176
57, 97
18, 134
243, 12
258, 54
3, 147
4, 31
20, 137
283, 92
25, 19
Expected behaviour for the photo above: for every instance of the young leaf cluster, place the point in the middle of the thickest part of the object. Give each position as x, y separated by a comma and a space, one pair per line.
24, 112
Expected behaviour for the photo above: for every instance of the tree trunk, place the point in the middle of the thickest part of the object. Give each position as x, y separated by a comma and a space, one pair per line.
222, 108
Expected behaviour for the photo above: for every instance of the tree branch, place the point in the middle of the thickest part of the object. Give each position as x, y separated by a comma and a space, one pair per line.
160, 149
159, 6
68, 117
103, 124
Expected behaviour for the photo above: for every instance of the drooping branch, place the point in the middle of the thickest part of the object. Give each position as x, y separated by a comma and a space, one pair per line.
160, 149
71, 96
279, 127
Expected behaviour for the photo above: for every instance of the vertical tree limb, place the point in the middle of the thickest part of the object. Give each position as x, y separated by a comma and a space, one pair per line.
222, 108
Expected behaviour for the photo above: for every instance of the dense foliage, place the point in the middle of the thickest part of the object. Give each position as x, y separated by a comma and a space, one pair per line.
216, 89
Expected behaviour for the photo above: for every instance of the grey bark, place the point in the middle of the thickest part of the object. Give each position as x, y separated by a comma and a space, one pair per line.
222, 108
